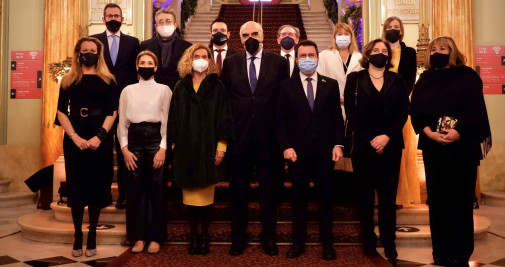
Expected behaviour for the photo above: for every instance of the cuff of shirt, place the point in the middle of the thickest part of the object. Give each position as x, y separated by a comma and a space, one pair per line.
163, 143
339, 146
123, 141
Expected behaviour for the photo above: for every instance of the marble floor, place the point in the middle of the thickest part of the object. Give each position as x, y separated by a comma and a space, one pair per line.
15, 251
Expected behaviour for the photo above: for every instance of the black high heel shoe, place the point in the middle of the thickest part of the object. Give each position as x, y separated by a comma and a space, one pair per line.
193, 248
204, 245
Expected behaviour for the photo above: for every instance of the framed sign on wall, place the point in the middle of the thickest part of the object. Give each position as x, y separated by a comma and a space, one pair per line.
406, 10
96, 10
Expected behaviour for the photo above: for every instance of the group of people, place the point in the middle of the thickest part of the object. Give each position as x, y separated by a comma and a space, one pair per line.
194, 103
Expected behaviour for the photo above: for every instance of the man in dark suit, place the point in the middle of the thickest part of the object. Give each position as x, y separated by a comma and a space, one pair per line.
310, 131
167, 46
219, 36
287, 37
120, 53
252, 79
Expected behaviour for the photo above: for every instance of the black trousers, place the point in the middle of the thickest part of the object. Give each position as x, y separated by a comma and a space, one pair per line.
378, 173
145, 186
320, 168
241, 166
451, 190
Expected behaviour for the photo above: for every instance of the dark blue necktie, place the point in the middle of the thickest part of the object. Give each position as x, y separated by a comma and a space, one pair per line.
310, 93
252, 75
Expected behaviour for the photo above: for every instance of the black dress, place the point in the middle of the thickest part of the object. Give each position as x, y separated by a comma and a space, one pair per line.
89, 172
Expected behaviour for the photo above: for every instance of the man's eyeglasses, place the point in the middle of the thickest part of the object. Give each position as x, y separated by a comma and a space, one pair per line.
309, 55
165, 22
253, 34
290, 34
116, 16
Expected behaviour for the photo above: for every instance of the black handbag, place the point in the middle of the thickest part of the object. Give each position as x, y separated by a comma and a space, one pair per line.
345, 163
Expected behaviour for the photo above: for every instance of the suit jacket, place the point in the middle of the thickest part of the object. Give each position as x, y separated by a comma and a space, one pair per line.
125, 69
253, 114
299, 127
408, 66
331, 65
170, 75
372, 113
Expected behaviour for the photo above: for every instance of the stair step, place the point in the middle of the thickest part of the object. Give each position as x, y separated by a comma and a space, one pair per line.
494, 198
220, 212
16, 199
9, 217
4, 186
41, 226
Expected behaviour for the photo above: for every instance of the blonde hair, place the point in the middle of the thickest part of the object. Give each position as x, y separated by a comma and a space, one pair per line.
456, 58
353, 46
185, 65
386, 25
146, 53
75, 73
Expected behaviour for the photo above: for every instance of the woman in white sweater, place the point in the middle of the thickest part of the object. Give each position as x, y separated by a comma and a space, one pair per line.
341, 59
142, 132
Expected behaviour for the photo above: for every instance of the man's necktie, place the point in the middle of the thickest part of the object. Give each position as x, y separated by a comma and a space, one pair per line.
310, 93
289, 63
113, 50
252, 75
219, 59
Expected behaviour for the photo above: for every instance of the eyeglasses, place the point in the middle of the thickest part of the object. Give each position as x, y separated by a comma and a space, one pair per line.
290, 34
253, 34
309, 55
165, 22
116, 16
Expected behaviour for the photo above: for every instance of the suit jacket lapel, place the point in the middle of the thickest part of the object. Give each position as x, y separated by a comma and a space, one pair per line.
106, 50
263, 69
298, 90
363, 83
321, 91
121, 49
242, 68
388, 81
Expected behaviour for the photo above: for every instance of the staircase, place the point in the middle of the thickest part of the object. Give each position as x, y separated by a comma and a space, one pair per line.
12, 206
494, 198
318, 27
198, 29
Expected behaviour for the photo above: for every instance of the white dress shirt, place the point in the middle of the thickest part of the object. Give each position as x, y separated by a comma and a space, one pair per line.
223, 53
109, 39
146, 101
303, 77
257, 62
291, 60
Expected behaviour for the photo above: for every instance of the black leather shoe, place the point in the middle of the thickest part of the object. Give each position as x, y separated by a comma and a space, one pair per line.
193, 247
370, 251
440, 261
204, 247
270, 247
121, 204
295, 251
236, 249
329, 253
392, 261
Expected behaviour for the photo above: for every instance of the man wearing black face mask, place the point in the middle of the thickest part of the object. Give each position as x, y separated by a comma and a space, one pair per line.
120, 52
287, 37
219, 36
252, 79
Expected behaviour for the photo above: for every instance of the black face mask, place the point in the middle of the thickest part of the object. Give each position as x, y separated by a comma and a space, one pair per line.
378, 60
393, 36
88, 59
439, 61
287, 42
219, 38
252, 45
113, 25
146, 72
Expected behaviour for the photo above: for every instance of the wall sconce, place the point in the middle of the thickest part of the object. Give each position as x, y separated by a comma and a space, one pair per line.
58, 69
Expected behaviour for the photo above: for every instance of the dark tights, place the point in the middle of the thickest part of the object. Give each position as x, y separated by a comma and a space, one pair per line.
198, 215
77, 217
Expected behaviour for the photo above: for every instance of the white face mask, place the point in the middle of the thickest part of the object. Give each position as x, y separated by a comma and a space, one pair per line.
166, 30
343, 41
200, 65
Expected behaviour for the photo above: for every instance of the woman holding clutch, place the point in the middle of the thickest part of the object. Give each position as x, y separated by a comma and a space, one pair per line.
449, 113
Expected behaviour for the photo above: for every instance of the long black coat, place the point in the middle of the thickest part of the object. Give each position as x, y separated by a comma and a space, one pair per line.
197, 121
408, 65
